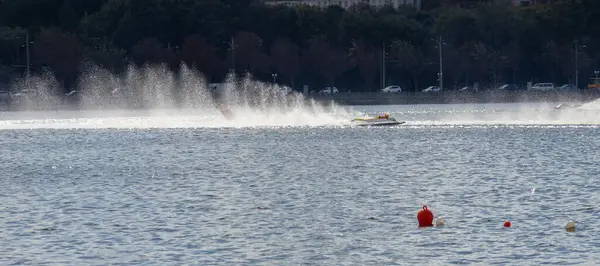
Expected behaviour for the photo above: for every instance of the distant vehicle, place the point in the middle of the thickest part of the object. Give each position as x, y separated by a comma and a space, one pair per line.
567, 87
24, 93
217, 86
227, 113
567, 106
432, 89
329, 90
467, 88
4, 95
510, 87
286, 90
594, 83
543, 87
393, 88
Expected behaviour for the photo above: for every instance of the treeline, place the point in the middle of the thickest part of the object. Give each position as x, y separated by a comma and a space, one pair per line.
489, 42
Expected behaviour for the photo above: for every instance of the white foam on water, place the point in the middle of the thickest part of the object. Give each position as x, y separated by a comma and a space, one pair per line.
243, 117
308, 115
505, 114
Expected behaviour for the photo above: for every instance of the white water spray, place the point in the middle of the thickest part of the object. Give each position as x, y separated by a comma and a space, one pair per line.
593, 105
37, 92
155, 97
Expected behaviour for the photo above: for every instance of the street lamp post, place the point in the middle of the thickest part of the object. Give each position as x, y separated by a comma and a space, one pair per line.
27, 51
274, 75
596, 80
27, 55
383, 66
577, 63
440, 74
232, 45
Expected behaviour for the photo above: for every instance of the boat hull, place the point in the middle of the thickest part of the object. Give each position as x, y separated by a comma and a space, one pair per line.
372, 122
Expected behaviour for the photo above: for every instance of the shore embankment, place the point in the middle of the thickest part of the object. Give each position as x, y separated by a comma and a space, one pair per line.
457, 97
360, 98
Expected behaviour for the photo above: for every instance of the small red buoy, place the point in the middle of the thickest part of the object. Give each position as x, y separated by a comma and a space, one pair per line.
507, 223
425, 217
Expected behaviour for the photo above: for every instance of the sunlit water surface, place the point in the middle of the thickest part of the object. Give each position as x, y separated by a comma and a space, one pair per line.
290, 188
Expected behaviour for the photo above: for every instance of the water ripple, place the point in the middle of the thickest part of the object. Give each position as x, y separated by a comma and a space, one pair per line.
295, 196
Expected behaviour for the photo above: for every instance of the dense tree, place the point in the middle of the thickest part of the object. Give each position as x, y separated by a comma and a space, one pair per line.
488, 42
198, 53
409, 60
325, 60
286, 57
151, 51
368, 61
59, 51
245, 53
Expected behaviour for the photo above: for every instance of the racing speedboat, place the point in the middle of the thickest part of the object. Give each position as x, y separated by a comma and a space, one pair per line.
225, 111
382, 120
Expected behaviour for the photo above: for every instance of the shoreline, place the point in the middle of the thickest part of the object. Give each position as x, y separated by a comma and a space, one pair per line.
379, 98
456, 97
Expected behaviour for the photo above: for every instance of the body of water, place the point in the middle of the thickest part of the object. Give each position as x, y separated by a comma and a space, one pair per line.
297, 187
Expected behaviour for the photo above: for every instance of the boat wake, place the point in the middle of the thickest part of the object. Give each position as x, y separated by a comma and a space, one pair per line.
309, 114
495, 115
535, 115
243, 117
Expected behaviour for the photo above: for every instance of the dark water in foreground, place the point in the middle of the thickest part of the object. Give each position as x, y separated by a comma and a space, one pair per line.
319, 195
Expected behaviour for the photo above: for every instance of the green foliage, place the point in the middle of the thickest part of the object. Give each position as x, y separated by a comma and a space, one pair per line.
484, 41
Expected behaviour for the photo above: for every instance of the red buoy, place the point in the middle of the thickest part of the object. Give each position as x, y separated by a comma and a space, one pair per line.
507, 223
425, 217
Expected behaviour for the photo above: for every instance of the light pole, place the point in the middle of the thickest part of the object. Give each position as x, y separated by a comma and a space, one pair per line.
27, 55
596, 81
232, 45
27, 48
577, 63
383, 65
274, 75
441, 73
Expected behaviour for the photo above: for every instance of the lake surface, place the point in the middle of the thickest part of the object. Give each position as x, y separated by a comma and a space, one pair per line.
301, 187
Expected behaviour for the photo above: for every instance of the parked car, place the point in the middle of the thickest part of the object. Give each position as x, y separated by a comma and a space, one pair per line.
393, 88
543, 87
329, 90
567, 87
510, 87
24, 93
4, 95
432, 89
286, 90
467, 88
